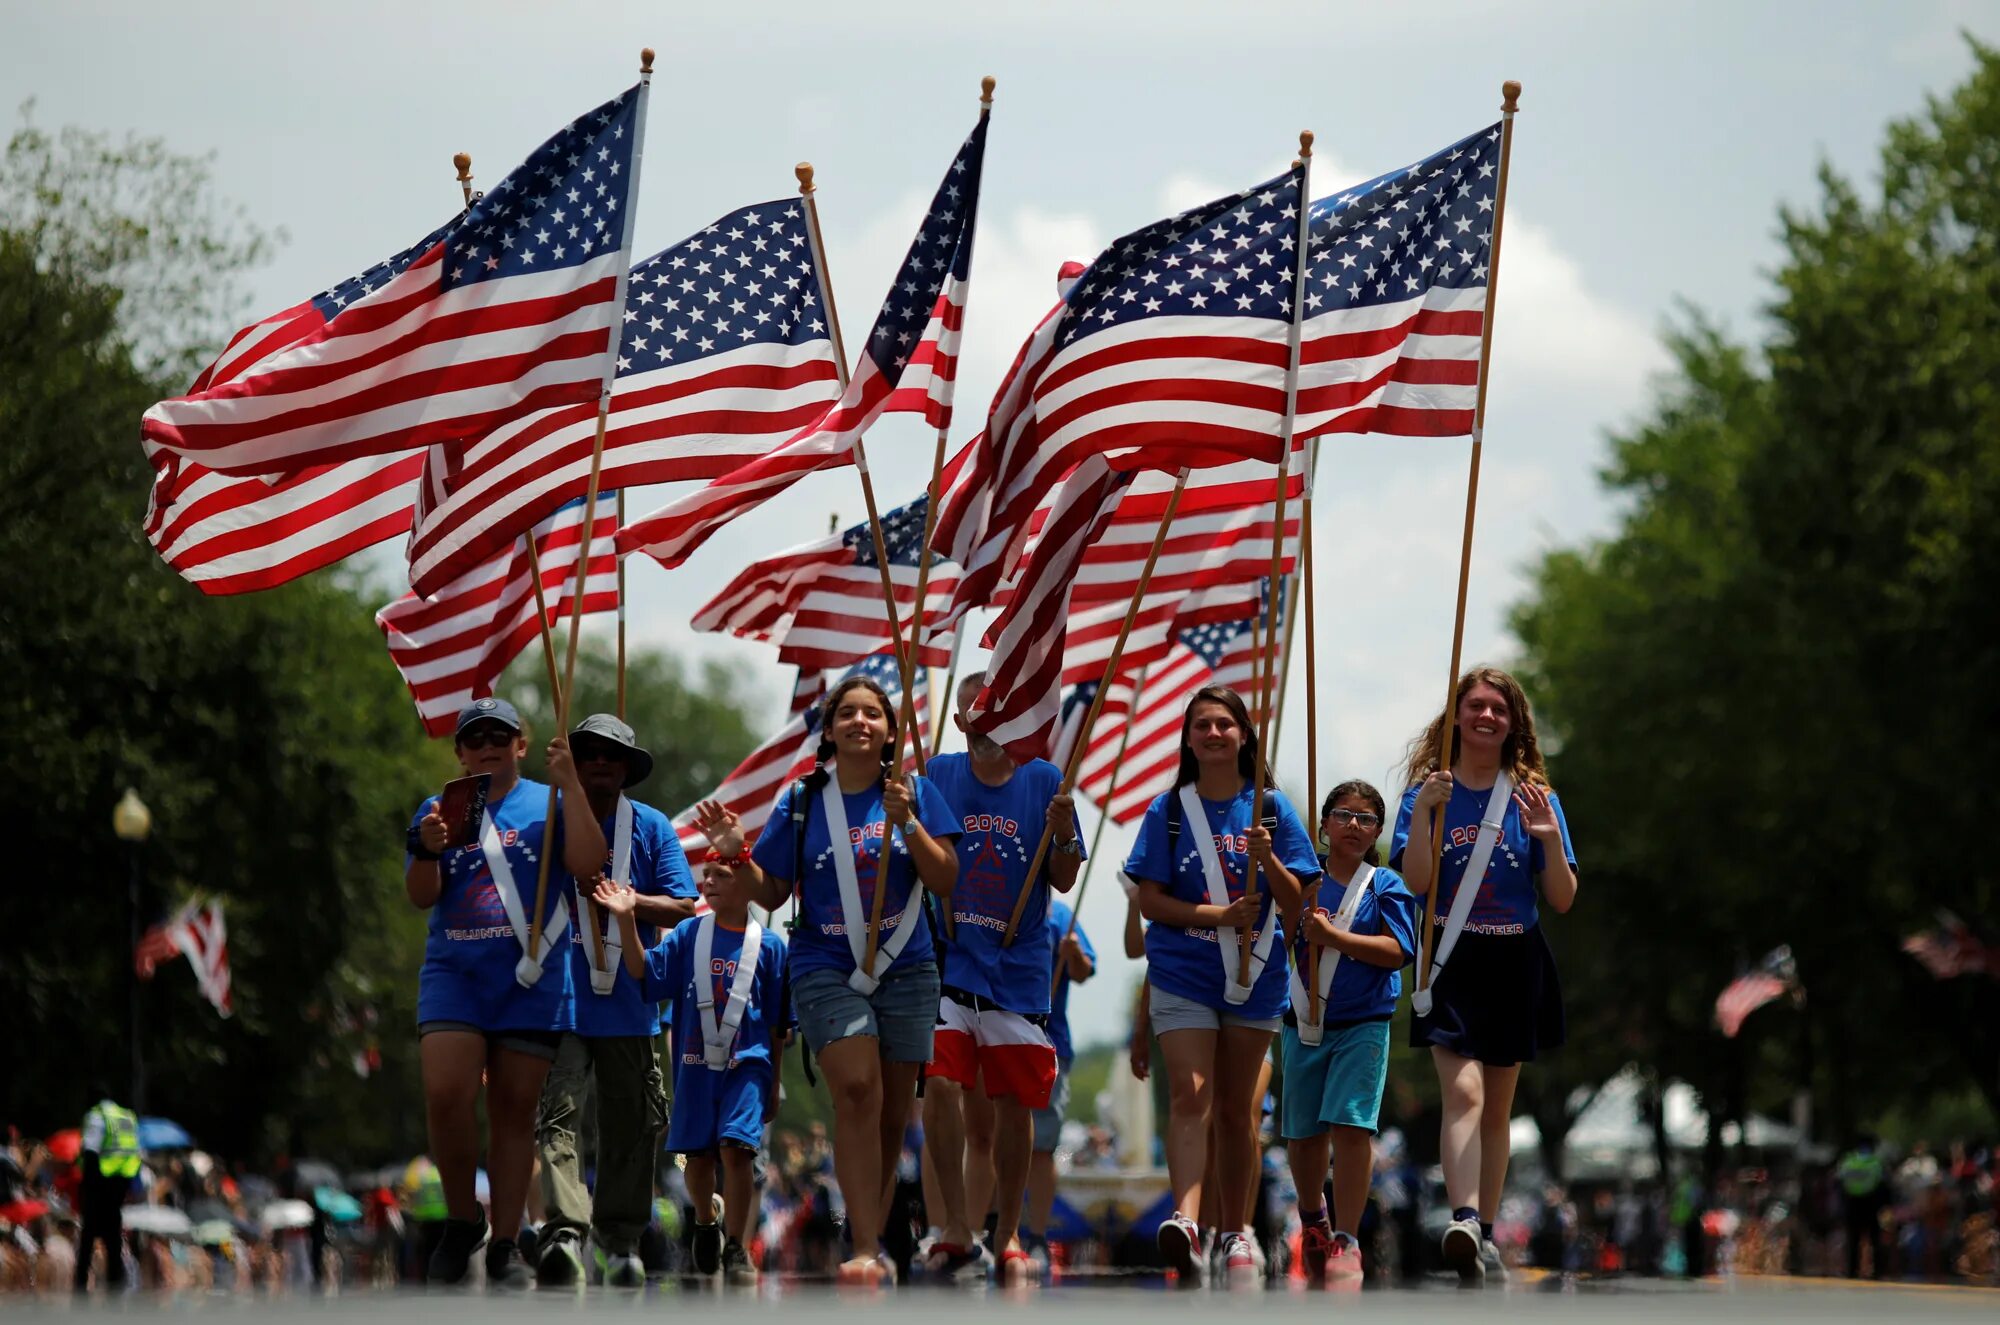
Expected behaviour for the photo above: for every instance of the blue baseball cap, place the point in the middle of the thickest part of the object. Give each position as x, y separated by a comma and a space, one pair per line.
489, 708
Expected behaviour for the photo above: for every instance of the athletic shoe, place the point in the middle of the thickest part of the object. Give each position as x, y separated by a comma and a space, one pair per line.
560, 1264
1315, 1245
1489, 1259
706, 1247
1239, 1256
736, 1266
948, 1260
624, 1271
506, 1267
1257, 1256
1180, 1248
451, 1263
1460, 1246
1343, 1266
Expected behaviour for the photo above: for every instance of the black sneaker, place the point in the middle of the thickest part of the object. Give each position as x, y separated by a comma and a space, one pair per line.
707, 1249
736, 1266
506, 1267
451, 1263
560, 1264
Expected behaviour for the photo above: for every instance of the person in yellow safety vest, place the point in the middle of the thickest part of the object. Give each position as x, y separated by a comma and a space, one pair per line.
1864, 1190
109, 1160
423, 1200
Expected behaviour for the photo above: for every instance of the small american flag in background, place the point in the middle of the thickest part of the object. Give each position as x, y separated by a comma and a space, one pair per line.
198, 932
1774, 977
821, 604
509, 309
727, 352
907, 364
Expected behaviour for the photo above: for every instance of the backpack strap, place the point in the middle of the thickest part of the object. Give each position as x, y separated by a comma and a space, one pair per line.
798, 861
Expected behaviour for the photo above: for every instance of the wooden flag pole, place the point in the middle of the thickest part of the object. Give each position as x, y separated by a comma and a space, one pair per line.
621, 613
945, 705
1075, 760
1097, 833
1284, 682
1510, 97
590, 496
1305, 575
1268, 663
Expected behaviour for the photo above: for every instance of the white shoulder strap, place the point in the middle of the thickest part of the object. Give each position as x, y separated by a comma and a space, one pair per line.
853, 918
1468, 885
604, 976
1194, 819
718, 1034
528, 972
1310, 1028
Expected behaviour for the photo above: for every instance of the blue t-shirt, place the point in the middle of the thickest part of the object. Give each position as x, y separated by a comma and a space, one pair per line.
1059, 914
659, 869
1188, 962
820, 941
670, 978
1506, 901
1363, 991
1003, 826
472, 950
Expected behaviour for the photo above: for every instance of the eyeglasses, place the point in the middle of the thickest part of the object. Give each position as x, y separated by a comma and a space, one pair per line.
477, 738
1342, 818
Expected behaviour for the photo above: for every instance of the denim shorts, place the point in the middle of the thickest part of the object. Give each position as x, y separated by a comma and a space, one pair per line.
535, 1044
900, 1014
1049, 1121
1171, 1012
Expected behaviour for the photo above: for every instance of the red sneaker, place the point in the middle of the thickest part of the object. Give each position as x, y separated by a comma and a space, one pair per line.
1315, 1245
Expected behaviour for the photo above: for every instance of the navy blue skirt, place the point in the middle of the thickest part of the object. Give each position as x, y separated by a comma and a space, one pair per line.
1498, 1000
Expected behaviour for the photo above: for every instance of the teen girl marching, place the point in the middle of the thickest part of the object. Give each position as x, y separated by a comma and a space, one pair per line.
1190, 861
1494, 1000
837, 834
1353, 942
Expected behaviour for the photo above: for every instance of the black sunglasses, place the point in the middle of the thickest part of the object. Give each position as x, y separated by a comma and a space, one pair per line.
585, 752
477, 738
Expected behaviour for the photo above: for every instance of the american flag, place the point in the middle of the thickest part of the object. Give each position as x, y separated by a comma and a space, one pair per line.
753, 786
196, 931
907, 365
1951, 949
1235, 650
1774, 977
821, 603
727, 352
1396, 295
452, 647
509, 309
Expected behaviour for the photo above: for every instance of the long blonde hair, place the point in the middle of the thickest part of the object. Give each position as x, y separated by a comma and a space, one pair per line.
1520, 754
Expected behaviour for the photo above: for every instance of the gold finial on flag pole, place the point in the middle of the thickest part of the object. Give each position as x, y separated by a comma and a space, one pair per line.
464, 163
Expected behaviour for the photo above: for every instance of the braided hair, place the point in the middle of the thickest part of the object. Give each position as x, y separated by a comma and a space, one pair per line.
830, 706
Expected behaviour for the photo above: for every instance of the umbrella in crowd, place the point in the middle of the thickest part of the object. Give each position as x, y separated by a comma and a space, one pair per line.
163, 1134
279, 1215
163, 1220
337, 1205
66, 1145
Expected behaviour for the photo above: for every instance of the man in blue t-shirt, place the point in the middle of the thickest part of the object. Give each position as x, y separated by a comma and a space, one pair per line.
992, 1031
1074, 960
615, 1025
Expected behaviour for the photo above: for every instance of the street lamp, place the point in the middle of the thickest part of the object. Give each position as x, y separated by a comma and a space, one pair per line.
133, 823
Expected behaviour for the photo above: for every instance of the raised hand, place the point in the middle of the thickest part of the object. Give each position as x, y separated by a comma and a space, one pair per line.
617, 898
722, 826
1538, 813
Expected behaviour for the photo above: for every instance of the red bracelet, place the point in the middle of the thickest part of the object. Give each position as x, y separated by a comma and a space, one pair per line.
742, 857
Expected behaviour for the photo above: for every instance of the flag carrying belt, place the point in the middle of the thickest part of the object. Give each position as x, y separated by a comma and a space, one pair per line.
1468, 888
1218, 895
528, 971
604, 962
851, 916
1310, 1030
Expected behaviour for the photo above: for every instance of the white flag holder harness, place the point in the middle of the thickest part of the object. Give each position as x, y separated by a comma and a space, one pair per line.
1218, 895
604, 978
718, 1032
1468, 886
852, 918
528, 971
1310, 1031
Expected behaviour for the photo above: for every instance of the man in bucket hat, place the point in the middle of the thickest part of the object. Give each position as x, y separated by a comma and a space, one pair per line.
615, 1026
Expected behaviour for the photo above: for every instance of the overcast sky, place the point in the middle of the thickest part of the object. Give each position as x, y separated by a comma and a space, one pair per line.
1652, 151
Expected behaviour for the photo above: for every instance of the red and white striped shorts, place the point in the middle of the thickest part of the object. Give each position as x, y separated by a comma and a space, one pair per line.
1010, 1050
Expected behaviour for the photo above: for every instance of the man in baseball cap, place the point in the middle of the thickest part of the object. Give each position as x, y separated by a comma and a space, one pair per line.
615, 1026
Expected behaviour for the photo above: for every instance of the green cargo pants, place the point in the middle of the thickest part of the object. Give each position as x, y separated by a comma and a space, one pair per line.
631, 1115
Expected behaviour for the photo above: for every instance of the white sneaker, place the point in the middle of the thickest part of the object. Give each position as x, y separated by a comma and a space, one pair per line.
1239, 1257
1490, 1261
1460, 1246
626, 1271
1180, 1247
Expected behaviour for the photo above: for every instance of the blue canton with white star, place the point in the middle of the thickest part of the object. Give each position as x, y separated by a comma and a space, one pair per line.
902, 537
942, 249
1426, 226
1233, 257
1211, 642
748, 278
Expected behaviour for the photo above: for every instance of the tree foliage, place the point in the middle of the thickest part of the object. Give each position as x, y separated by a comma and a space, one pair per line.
1770, 690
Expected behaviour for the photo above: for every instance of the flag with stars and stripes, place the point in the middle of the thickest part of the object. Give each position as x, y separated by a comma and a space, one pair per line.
452, 647
727, 351
821, 603
1396, 297
907, 364
509, 309
753, 786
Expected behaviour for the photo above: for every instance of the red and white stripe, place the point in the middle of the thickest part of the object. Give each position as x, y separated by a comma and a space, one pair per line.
1093, 628
927, 382
1123, 785
1407, 369
197, 932
452, 647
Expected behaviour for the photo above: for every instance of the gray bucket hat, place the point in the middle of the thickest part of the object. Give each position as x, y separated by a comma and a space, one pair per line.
606, 727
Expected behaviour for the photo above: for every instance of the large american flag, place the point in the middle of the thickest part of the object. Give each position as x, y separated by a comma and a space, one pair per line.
753, 786
821, 603
452, 647
1396, 296
727, 352
1774, 977
907, 365
509, 309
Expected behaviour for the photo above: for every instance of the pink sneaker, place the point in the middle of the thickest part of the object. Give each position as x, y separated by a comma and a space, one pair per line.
1343, 1266
1315, 1246
1239, 1258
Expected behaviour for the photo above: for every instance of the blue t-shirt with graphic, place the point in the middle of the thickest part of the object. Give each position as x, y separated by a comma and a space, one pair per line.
1506, 900
1363, 991
820, 941
659, 868
1002, 827
670, 978
472, 950
1188, 962
1059, 915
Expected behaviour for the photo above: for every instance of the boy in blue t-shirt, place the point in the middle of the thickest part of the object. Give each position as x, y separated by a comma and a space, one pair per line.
724, 974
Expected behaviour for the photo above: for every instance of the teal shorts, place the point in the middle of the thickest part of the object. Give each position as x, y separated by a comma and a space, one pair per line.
1337, 1082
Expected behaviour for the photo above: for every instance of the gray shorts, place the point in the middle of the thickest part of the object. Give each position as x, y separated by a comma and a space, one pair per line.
900, 1014
535, 1044
1049, 1121
1171, 1012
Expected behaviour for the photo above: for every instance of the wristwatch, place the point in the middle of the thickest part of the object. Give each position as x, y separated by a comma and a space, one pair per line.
1073, 847
413, 842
